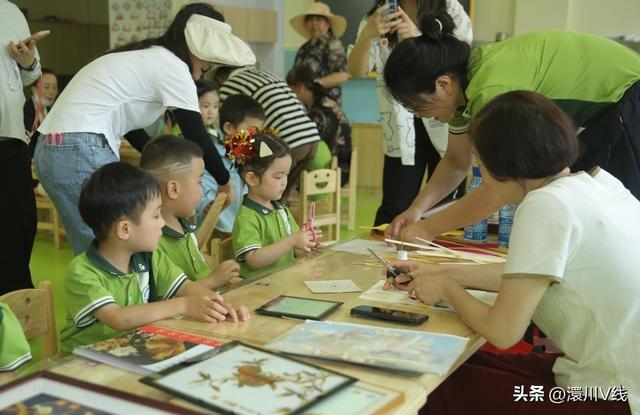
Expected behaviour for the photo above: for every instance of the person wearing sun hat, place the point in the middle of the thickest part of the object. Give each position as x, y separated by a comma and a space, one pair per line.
323, 52
122, 92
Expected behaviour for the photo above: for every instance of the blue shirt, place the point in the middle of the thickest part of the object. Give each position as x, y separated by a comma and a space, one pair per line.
209, 188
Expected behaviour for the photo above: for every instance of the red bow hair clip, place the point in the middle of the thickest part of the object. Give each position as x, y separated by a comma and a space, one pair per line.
241, 146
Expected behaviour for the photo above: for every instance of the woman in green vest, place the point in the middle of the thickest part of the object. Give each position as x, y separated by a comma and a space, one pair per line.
595, 81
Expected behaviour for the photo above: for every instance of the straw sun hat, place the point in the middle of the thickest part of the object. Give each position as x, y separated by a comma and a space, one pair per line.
338, 23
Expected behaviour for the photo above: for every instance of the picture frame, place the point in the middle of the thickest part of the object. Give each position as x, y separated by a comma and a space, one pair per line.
299, 307
59, 394
241, 379
358, 398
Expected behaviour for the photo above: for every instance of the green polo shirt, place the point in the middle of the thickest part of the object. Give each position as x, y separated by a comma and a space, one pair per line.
14, 348
182, 249
582, 73
255, 227
92, 282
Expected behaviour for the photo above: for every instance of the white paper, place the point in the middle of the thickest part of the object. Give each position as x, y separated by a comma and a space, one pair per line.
332, 286
396, 296
359, 246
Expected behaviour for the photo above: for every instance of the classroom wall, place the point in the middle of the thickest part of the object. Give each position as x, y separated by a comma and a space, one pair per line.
492, 16
607, 18
78, 11
610, 18
292, 40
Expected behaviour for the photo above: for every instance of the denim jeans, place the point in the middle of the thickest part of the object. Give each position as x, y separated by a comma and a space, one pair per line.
64, 162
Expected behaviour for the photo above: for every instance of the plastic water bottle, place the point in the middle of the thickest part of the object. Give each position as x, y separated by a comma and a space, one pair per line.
505, 222
476, 232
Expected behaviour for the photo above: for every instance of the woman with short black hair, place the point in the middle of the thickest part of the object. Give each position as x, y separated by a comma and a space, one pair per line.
572, 268
596, 81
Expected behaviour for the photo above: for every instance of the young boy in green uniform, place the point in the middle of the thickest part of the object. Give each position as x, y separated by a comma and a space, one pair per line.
120, 283
265, 235
178, 166
14, 349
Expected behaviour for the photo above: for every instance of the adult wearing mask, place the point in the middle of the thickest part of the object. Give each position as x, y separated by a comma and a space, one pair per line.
411, 144
596, 81
19, 66
323, 52
124, 91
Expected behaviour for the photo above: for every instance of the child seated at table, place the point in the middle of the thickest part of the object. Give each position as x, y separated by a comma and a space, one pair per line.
121, 282
265, 235
237, 112
178, 166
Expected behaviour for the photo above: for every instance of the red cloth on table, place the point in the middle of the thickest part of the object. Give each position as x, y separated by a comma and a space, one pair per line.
485, 384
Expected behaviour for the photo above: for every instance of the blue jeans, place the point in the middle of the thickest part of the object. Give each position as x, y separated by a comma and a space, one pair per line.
63, 164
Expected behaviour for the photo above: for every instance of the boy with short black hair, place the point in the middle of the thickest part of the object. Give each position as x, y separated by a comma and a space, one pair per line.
178, 166
120, 283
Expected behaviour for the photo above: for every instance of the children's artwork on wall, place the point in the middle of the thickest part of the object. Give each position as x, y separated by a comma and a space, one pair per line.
241, 379
398, 350
134, 20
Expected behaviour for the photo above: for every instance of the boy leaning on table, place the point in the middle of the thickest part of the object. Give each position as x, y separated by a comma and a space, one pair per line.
121, 282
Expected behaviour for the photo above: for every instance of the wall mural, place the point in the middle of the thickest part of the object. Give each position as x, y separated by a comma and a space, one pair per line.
134, 20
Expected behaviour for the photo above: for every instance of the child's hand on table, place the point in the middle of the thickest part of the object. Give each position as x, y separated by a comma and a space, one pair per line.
237, 312
208, 306
225, 271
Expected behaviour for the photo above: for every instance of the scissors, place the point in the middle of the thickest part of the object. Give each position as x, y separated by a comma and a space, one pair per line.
391, 271
308, 225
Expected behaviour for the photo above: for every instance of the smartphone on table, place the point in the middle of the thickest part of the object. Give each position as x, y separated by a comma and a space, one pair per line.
389, 314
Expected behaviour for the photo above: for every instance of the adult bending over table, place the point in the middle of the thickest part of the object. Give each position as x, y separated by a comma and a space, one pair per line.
594, 80
572, 268
124, 91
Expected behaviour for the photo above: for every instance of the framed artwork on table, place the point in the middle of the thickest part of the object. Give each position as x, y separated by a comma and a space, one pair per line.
242, 379
50, 393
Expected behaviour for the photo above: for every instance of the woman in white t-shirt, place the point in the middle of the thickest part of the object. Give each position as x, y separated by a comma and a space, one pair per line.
572, 268
121, 93
411, 144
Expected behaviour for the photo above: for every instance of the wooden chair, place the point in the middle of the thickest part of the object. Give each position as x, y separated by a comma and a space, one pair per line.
221, 250
48, 218
34, 309
204, 232
319, 182
349, 191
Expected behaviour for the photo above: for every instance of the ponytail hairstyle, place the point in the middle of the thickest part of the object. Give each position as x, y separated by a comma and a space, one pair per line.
415, 63
303, 74
174, 39
424, 7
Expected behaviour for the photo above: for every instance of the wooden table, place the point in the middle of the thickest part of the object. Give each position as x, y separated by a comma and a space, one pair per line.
262, 329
